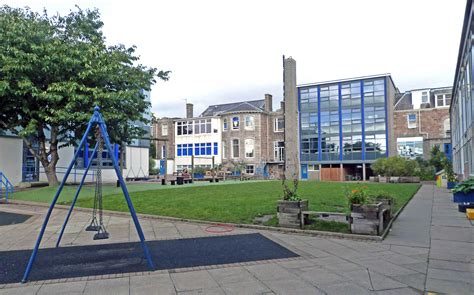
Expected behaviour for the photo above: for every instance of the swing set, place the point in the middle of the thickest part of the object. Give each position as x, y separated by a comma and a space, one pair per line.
97, 224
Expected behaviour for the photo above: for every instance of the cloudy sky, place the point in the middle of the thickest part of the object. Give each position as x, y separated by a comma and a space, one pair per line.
225, 51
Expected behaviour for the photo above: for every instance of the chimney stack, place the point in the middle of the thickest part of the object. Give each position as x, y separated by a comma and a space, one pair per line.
268, 103
189, 110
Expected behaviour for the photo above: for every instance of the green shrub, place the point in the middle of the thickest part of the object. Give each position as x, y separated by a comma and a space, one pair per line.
357, 196
395, 166
466, 186
448, 169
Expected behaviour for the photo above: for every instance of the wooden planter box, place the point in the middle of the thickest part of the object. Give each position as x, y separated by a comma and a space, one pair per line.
382, 179
461, 197
370, 219
409, 179
289, 212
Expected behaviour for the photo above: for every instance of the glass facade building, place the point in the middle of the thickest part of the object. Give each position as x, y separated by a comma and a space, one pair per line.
462, 105
345, 121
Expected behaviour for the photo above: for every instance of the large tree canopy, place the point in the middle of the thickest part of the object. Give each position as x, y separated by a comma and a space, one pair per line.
55, 69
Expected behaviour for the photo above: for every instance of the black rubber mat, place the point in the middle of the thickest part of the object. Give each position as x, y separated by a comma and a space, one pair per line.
7, 218
79, 261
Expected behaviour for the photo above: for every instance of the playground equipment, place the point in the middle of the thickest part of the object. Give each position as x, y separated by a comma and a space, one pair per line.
102, 138
6, 187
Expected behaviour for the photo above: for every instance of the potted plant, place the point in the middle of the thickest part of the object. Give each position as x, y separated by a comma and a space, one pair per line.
368, 214
291, 205
464, 191
450, 176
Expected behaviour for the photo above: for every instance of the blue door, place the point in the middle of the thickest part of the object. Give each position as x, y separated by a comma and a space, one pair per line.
448, 150
304, 171
162, 167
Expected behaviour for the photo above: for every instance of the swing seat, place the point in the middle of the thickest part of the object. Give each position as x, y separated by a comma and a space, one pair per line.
92, 228
101, 236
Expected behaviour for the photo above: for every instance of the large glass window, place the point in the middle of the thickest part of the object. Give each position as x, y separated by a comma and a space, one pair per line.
224, 124
184, 127
279, 150
184, 149
249, 148
279, 124
309, 98
374, 119
309, 149
235, 148
235, 123
164, 130
424, 97
202, 126
250, 169
249, 122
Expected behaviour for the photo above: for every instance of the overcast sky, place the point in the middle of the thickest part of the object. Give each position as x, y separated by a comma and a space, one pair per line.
225, 51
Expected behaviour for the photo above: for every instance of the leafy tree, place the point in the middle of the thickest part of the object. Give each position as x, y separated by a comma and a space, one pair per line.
54, 70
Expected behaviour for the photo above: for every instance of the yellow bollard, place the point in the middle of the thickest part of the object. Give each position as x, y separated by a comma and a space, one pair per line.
470, 214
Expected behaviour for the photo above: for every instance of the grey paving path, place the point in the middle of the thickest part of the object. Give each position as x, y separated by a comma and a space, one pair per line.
430, 248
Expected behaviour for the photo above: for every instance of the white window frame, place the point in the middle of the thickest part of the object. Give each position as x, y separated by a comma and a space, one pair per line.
411, 124
164, 130
279, 151
251, 120
163, 151
249, 143
252, 169
275, 125
444, 100
225, 125
313, 167
232, 148
238, 123
423, 93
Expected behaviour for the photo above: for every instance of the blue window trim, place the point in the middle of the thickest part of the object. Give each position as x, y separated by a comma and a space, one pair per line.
196, 149
362, 113
216, 149
386, 115
320, 156
340, 120
178, 150
208, 149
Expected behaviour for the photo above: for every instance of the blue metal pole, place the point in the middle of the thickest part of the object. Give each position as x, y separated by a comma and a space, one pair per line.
103, 129
76, 196
55, 199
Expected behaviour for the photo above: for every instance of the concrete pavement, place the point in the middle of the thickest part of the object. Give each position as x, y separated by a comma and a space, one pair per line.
430, 248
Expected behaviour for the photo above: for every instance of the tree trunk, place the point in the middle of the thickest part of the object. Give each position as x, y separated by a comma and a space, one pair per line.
50, 172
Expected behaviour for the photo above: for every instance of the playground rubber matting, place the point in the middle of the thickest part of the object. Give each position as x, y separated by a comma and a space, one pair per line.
7, 218
80, 261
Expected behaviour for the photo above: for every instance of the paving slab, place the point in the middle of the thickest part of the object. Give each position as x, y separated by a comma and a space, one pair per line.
186, 281
429, 227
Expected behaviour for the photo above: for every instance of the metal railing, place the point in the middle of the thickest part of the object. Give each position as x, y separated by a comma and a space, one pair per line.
6, 187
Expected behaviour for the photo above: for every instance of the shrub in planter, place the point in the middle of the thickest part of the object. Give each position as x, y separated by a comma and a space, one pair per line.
451, 177
367, 211
464, 191
290, 207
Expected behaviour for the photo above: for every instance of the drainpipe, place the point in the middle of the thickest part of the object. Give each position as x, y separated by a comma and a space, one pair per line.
419, 125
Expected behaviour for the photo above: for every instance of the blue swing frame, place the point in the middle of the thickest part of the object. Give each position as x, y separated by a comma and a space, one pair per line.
96, 119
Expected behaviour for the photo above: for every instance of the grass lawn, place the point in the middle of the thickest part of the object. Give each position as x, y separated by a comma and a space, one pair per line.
46, 194
238, 202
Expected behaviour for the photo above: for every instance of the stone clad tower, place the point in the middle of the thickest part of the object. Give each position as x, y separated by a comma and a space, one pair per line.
290, 97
